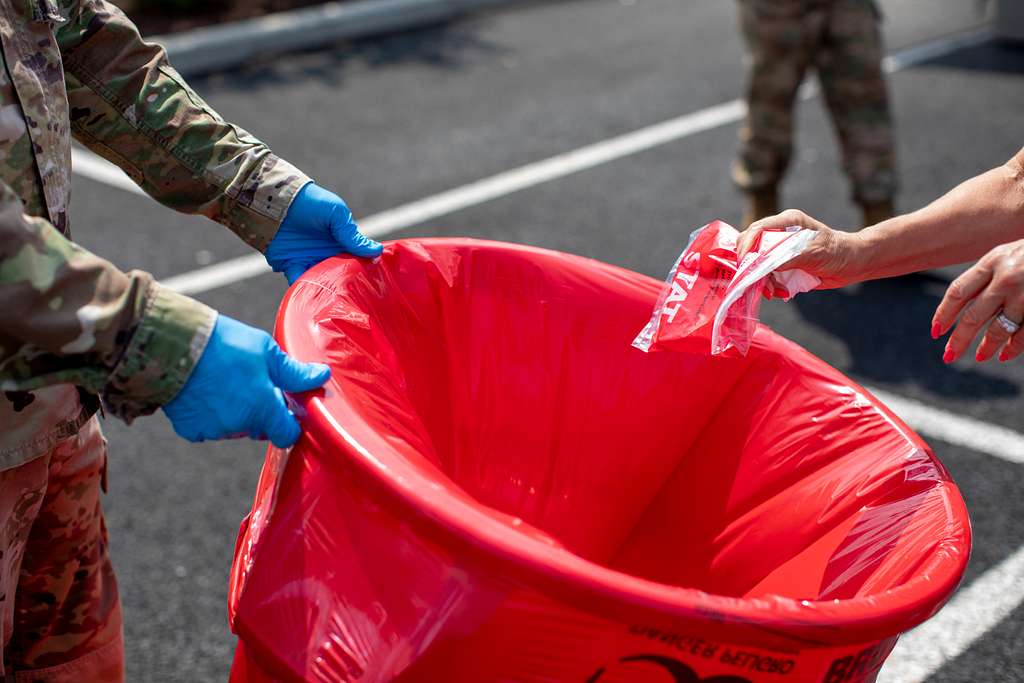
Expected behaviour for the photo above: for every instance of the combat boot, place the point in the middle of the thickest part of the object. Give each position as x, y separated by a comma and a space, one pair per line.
876, 212
759, 204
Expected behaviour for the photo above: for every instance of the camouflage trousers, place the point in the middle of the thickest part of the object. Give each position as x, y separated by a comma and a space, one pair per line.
841, 40
61, 613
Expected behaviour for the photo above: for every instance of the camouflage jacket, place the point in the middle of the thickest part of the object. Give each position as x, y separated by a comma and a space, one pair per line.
72, 326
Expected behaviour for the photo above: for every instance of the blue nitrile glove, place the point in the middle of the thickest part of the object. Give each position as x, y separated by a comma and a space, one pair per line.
236, 388
318, 225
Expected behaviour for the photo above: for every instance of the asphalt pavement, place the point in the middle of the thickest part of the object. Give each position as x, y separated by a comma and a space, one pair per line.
395, 119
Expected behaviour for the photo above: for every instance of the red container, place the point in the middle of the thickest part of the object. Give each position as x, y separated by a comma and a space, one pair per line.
495, 486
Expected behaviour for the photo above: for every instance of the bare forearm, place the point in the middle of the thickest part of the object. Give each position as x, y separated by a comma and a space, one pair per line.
960, 226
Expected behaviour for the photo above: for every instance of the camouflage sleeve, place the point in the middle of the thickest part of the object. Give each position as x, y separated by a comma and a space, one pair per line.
68, 316
131, 107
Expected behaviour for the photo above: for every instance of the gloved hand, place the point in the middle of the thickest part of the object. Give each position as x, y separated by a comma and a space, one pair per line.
236, 388
318, 225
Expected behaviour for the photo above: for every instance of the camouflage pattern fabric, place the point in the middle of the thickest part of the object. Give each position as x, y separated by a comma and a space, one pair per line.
61, 617
71, 324
841, 41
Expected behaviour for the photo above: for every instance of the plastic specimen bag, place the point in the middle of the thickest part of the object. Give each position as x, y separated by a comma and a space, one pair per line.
710, 302
495, 486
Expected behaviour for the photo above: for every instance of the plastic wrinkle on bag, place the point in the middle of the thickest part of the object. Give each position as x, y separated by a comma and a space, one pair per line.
708, 303
495, 487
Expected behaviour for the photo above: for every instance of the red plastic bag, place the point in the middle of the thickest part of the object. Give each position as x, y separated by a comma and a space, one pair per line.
494, 486
710, 303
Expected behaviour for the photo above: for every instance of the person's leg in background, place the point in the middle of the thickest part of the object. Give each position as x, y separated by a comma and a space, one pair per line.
779, 36
849, 65
65, 625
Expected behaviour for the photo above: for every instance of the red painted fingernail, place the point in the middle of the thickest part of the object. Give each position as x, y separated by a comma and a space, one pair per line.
979, 357
948, 356
936, 330
1003, 357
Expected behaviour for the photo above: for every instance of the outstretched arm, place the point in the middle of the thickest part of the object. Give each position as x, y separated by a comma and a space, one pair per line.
130, 106
68, 316
960, 226
981, 217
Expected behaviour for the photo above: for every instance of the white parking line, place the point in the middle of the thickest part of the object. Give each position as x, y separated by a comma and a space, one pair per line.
218, 275
95, 167
479, 192
982, 605
508, 182
972, 612
936, 48
933, 423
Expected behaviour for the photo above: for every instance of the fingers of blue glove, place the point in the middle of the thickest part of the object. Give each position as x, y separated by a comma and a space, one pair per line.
365, 247
279, 424
347, 234
291, 375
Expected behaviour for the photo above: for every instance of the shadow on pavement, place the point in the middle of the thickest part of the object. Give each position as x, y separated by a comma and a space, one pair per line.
998, 56
885, 326
447, 46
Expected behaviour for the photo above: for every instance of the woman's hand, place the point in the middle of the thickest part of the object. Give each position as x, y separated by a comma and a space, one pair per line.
831, 257
994, 285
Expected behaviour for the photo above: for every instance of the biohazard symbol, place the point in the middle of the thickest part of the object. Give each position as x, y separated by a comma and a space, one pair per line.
681, 672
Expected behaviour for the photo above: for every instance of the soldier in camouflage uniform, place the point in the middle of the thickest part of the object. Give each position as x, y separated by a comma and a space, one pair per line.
841, 40
75, 330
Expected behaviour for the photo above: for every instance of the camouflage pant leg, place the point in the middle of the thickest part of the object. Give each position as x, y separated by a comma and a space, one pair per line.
66, 622
22, 490
779, 37
849, 66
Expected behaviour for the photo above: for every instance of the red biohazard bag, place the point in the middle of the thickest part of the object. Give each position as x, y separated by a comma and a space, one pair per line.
495, 486
710, 301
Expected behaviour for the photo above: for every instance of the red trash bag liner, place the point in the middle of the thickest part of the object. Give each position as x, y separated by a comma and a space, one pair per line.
495, 486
